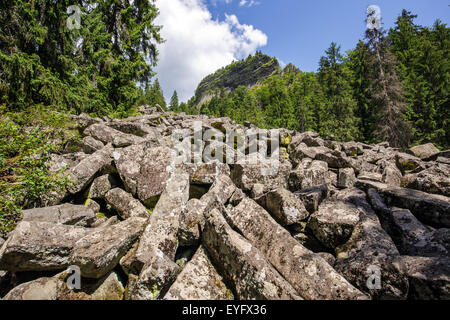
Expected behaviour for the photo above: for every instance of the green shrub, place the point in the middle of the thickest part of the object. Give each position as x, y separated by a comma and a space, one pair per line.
26, 140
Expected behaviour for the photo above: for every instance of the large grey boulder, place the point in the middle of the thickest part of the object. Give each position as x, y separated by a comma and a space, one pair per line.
108, 287
84, 172
40, 246
100, 251
284, 206
39, 289
432, 180
205, 173
309, 274
101, 185
155, 254
429, 278
199, 280
370, 251
271, 175
244, 266
107, 134
346, 178
429, 208
145, 170
89, 145
308, 174
414, 238
313, 197
424, 151
67, 213
334, 222
125, 204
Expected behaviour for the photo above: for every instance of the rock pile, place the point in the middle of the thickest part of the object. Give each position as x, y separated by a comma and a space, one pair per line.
333, 220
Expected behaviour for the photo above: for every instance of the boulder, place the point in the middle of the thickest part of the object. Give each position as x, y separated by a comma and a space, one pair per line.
39, 289
284, 206
429, 278
67, 213
205, 173
199, 280
85, 171
373, 176
242, 265
309, 274
271, 175
313, 197
424, 151
415, 239
125, 205
100, 251
431, 209
115, 137
108, 287
40, 246
145, 170
315, 174
101, 185
156, 251
346, 178
432, 180
90, 145
334, 222
370, 251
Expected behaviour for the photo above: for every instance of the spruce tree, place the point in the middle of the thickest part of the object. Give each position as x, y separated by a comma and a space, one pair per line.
387, 92
174, 101
338, 115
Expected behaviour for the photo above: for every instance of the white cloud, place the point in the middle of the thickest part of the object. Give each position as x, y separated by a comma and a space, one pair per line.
248, 3
196, 45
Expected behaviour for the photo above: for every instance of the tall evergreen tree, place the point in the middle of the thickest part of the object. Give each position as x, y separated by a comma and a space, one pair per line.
359, 64
94, 68
338, 116
387, 92
174, 101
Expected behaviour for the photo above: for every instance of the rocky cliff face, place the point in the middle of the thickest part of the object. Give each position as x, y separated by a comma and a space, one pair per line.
323, 220
248, 72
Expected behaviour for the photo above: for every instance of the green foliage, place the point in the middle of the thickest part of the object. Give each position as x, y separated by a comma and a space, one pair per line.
153, 95
174, 104
27, 140
424, 67
93, 69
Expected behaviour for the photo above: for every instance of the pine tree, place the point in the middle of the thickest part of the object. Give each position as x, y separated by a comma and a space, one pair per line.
423, 64
359, 64
174, 101
338, 115
387, 92
93, 69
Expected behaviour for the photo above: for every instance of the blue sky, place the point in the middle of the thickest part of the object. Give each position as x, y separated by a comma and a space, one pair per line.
205, 35
300, 31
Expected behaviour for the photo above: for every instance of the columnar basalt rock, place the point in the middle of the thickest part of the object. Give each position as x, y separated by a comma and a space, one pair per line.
309, 274
237, 225
252, 276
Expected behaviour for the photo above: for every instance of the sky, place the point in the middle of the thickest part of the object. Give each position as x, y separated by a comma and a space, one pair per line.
202, 36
